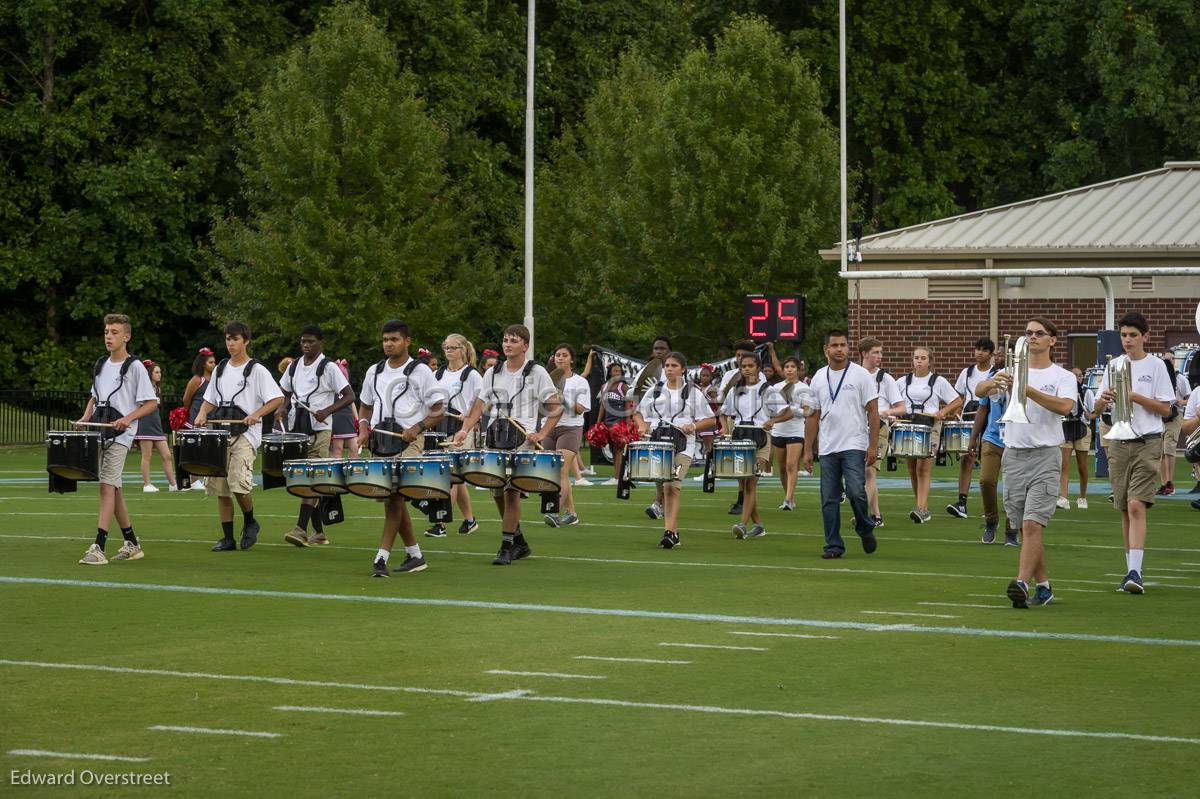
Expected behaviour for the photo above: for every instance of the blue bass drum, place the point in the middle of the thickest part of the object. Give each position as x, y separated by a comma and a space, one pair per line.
427, 477
536, 472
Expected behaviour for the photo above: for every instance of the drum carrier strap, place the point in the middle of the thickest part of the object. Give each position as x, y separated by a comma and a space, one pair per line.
920, 406
304, 424
462, 383
762, 395
408, 370
104, 411
230, 406
506, 407
668, 431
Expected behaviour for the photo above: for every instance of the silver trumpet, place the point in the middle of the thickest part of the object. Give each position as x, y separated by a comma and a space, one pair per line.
1120, 382
1018, 368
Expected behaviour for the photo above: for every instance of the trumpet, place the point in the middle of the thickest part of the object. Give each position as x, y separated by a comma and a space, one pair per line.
1018, 367
1120, 381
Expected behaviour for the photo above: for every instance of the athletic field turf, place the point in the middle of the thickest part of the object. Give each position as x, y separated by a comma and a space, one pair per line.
601, 666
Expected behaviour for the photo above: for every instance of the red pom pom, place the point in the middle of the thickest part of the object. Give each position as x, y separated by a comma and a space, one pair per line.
597, 435
178, 418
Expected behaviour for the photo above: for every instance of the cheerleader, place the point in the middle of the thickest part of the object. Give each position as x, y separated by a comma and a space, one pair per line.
678, 411
567, 435
613, 410
345, 421
150, 436
458, 384
193, 394
787, 439
752, 407
928, 399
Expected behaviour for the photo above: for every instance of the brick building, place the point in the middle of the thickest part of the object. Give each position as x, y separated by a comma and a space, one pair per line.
1134, 223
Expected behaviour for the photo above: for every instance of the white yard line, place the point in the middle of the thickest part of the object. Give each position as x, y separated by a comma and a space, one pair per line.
76, 756
784, 635
634, 660
633, 705
1157, 576
959, 605
714, 646
516, 694
905, 613
613, 612
349, 711
555, 674
212, 731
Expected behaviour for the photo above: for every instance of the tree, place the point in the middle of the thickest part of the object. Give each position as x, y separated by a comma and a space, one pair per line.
683, 190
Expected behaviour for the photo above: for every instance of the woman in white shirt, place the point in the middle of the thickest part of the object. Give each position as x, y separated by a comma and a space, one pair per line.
928, 399
752, 408
458, 384
567, 435
787, 439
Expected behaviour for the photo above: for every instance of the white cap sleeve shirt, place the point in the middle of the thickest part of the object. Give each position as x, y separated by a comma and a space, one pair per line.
124, 395
458, 390
315, 394
391, 394
1045, 426
1150, 379
919, 397
802, 396
752, 406
1193, 405
842, 398
249, 395
669, 407
970, 377
525, 393
889, 390
575, 391
1182, 388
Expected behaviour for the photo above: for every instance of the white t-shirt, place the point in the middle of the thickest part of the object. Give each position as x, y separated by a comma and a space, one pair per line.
1193, 405
802, 396
889, 390
457, 392
1150, 379
305, 388
670, 408
1182, 388
575, 391
1045, 427
407, 400
965, 384
249, 395
920, 398
525, 393
843, 418
135, 389
753, 405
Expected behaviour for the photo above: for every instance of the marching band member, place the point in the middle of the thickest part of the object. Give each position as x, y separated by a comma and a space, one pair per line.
659, 349
890, 407
318, 385
1133, 465
400, 401
515, 390
843, 428
239, 382
968, 379
752, 407
121, 394
732, 375
1079, 422
928, 399
1191, 422
459, 383
787, 439
567, 435
678, 411
1032, 460
993, 401
1173, 425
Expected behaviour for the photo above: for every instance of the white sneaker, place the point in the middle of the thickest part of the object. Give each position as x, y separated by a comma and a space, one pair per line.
582, 482
129, 551
612, 481
588, 472
699, 478
804, 473
1081, 503
197, 485
1063, 503
172, 489
94, 556
149, 488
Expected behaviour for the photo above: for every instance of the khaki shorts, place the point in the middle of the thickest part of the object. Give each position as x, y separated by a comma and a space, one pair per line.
567, 439
112, 463
682, 464
1133, 468
935, 438
318, 445
1171, 433
1102, 431
764, 458
239, 471
1080, 445
881, 442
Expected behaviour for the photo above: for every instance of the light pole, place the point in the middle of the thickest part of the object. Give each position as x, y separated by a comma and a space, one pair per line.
529, 39
845, 241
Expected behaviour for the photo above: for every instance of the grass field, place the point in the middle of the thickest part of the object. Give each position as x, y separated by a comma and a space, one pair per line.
601, 666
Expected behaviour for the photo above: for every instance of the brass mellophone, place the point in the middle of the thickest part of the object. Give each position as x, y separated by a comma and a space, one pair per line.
1120, 382
1018, 368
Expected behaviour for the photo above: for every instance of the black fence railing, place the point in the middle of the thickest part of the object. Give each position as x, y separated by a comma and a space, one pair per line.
26, 416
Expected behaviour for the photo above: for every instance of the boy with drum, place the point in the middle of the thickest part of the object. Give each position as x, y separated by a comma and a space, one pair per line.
320, 390
121, 394
891, 407
238, 383
400, 401
968, 379
515, 391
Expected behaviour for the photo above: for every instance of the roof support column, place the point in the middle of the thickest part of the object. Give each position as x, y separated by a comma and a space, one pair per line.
1110, 304
993, 304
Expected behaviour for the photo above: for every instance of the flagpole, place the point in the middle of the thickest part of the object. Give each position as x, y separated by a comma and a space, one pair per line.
842, 119
529, 53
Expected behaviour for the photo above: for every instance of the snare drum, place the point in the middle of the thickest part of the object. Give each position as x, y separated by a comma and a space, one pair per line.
956, 437
651, 461
734, 458
278, 448
327, 476
537, 472
485, 468
369, 477
455, 458
427, 477
1092, 377
298, 475
73, 454
203, 452
912, 440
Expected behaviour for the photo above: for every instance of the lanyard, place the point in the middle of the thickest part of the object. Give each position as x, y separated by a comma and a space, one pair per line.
833, 393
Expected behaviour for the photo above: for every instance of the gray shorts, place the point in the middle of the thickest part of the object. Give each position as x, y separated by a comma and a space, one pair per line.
112, 463
1031, 484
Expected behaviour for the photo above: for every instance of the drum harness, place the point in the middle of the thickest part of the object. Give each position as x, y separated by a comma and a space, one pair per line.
104, 411
447, 422
229, 407
380, 443
920, 406
305, 426
506, 407
759, 433
972, 405
666, 431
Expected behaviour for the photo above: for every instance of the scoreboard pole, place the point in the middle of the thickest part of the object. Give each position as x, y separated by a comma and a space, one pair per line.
842, 120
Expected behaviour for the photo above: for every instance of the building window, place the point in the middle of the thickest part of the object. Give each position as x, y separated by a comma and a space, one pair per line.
955, 288
1141, 282
1081, 350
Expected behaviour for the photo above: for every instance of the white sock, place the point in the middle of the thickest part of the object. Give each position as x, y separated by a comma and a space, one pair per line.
383, 555
414, 550
1044, 584
1135, 560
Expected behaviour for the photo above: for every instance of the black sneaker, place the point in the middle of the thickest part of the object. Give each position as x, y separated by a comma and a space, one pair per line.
958, 509
380, 569
249, 535
1010, 538
1132, 584
670, 540
735, 509
1195, 503
521, 548
412, 564
878, 521
1195, 488
870, 543
989, 533
437, 531
224, 545
505, 556
1042, 595
1018, 592
468, 526
831, 554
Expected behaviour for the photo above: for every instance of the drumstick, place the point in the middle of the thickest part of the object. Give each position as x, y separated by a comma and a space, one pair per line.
95, 424
225, 421
388, 433
524, 432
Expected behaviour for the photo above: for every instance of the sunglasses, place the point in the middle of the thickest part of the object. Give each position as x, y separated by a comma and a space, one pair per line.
1036, 333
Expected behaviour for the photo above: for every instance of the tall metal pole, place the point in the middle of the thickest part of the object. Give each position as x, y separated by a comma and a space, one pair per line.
842, 119
529, 173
